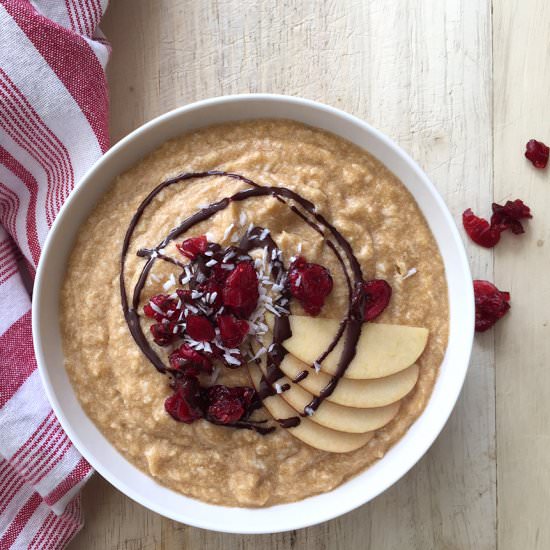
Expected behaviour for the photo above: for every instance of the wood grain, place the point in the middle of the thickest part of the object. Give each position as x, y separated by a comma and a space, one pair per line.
420, 71
522, 84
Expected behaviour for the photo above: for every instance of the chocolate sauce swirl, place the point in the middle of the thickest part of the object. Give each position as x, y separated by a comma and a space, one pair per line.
350, 326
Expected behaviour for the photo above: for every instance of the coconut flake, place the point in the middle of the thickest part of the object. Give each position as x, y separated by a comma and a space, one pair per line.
229, 267
278, 387
228, 231
264, 234
299, 248
272, 309
316, 366
211, 262
230, 359
195, 294
410, 273
259, 353
156, 308
231, 254
155, 278
170, 282
242, 219
309, 411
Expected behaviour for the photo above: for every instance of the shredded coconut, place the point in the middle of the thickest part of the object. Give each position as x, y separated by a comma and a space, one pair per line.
230, 359
170, 282
228, 231
410, 273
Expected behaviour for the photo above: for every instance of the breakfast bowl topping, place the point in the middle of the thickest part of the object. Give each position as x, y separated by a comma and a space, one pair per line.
232, 306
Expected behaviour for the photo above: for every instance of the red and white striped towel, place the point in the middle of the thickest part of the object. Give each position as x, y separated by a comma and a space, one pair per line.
53, 126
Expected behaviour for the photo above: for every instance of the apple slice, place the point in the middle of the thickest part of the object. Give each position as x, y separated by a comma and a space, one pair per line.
382, 349
312, 434
336, 417
377, 392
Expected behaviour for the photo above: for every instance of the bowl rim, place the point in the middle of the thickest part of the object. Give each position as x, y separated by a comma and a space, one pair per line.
293, 521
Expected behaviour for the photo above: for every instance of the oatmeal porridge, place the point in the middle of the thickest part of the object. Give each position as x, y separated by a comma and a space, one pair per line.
254, 313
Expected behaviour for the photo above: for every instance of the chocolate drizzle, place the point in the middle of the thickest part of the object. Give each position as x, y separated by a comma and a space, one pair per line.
350, 327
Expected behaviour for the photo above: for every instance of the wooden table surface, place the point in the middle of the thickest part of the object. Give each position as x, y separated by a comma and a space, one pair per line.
461, 85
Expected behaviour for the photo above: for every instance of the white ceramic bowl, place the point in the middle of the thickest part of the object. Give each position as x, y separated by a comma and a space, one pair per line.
105, 458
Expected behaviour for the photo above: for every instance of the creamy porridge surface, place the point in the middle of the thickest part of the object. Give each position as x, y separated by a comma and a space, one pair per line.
124, 394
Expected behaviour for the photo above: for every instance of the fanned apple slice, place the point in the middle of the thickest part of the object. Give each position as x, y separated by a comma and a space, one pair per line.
307, 431
382, 349
377, 392
336, 417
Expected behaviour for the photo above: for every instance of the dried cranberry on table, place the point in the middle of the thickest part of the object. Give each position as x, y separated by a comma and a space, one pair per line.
504, 217
377, 297
479, 230
310, 284
491, 304
508, 216
537, 152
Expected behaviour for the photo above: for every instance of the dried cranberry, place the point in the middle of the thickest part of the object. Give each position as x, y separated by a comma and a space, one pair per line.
491, 304
310, 284
161, 307
228, 405
186, 403
227, 411
377, 297
192, 247
232, 330
537, 152
508, 216
240, 292
479, 230
189, 361
200, 328
218, 274
184, 295
163, 333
